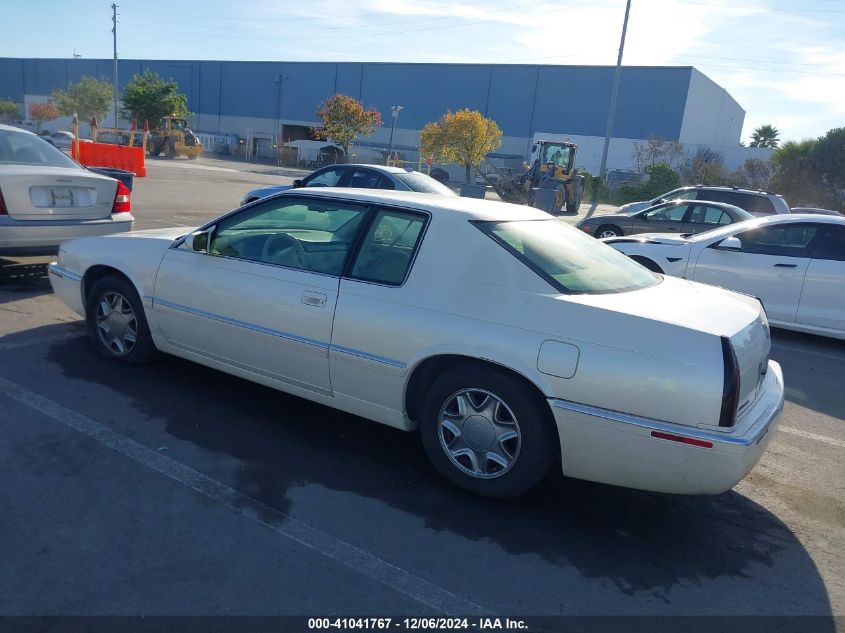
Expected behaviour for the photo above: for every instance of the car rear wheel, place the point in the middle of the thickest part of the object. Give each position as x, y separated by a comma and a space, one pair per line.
608, 230
487, 432
116, 321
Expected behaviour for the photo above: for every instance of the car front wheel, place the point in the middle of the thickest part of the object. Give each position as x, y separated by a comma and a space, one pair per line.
116, 321
608, 230
487, 432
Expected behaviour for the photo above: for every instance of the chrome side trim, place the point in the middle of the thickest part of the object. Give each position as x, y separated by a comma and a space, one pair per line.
54, 269
278, 333
379, 359
249, 326
656, 425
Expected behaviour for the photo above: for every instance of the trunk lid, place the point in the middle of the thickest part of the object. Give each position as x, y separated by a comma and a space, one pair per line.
38, 193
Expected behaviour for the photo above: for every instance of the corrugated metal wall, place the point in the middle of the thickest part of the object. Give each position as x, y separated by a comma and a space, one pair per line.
521, 98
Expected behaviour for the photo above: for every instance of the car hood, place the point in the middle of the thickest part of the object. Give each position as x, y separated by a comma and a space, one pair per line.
602, 219
271, 189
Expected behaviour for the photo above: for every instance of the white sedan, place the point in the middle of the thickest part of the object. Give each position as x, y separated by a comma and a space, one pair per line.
46, 197
795, 265
511, 339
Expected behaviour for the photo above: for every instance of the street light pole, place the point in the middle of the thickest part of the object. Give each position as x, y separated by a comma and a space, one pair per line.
114, 32
613, 95
394, 111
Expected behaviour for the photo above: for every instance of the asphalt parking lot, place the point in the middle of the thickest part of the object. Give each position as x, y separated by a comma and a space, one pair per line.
175, 489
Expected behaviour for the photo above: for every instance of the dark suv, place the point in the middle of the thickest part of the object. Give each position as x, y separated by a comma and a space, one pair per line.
755, 202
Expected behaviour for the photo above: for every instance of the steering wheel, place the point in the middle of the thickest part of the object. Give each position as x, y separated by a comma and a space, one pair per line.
284, 249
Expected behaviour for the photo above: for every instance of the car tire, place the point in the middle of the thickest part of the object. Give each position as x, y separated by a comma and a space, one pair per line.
608, 230
489, 462
115, 315
648, 263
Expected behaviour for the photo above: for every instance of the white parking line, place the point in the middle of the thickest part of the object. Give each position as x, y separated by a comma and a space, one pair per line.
38, 340
813, 436
329, 546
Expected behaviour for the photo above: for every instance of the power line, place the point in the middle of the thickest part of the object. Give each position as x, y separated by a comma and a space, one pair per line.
758, 8
359, 34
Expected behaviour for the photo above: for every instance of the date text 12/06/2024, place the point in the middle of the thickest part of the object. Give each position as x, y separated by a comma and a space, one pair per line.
416, 624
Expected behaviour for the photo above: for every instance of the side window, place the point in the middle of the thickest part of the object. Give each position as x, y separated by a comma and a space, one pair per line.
364, 179
388, 247
830, 243
328, 178
713, 216
789, 240
669, 213
309, 235
757, 204
385, 183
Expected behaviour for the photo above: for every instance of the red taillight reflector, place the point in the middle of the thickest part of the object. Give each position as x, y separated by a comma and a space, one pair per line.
683, 440
3, 209
122, 202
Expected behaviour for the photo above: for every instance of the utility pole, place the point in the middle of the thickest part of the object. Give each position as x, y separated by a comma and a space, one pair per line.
394, 111
114, 32
613, 95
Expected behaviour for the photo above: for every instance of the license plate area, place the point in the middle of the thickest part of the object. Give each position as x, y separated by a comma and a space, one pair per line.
56, 197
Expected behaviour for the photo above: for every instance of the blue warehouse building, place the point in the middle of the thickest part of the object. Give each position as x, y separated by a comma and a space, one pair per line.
266, 99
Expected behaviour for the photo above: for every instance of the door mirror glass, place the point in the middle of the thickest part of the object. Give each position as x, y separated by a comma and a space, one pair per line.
198, 240
731, 244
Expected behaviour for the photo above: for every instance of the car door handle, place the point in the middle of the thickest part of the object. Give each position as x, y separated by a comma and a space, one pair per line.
785, 265
316, 299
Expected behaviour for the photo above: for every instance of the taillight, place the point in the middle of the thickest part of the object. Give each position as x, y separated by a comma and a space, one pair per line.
121, 199
3, 209
730, 389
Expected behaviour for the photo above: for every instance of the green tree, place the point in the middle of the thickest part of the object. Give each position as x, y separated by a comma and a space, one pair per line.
40, 112
88, 98
661, 178
765, 136
796, 176
148, 96
828, 155
8, 110
464, 137
345, 119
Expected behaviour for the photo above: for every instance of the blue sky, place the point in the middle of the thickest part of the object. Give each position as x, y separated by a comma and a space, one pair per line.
783, 61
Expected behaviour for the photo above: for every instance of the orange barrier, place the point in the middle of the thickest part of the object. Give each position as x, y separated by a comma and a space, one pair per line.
108, 155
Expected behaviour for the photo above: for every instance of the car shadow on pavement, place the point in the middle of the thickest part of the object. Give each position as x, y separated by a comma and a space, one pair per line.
22, 276
812, 366
644, 544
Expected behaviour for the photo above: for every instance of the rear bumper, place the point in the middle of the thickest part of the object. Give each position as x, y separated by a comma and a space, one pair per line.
619, 449
35, 236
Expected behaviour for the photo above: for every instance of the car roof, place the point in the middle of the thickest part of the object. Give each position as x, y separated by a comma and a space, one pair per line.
12, 128
758, 192
793, 218
454, 208
388, 169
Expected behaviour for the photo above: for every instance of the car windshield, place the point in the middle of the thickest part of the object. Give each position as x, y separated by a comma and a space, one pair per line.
22, 148
567, 258
424, 184
727, 229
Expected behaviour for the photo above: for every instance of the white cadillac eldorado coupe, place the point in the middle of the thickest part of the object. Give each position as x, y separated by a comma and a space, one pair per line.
508, 337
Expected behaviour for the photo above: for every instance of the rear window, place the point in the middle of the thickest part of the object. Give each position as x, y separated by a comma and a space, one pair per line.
21, 148
568, 259
422, 183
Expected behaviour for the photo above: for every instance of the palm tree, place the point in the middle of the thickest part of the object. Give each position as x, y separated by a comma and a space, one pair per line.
765, 136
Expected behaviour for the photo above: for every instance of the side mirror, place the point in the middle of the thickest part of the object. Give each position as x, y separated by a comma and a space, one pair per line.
199, 240
297, 183
731, 244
